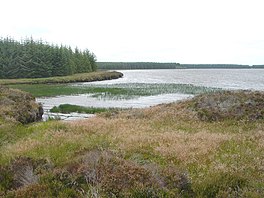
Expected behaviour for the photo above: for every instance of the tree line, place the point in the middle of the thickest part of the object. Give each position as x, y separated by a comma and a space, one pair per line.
214, 66
155, 65
258, 66
37, 59
137, 65
220, 66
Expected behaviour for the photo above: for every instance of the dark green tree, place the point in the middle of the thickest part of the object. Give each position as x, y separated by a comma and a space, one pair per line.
32, 59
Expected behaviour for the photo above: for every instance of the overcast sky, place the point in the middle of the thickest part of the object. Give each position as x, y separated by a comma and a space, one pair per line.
184, 31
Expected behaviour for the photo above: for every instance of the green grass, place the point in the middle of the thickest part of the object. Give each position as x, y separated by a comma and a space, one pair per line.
115, 91
162, 151
68, 108
58, 151
82, 77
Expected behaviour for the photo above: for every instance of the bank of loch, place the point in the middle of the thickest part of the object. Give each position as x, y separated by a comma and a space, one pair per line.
207, 146
81, 77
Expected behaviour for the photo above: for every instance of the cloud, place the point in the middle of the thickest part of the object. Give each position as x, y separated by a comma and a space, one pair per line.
144, 30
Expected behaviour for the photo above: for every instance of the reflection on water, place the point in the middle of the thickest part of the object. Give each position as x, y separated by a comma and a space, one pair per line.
66, 117
220, 78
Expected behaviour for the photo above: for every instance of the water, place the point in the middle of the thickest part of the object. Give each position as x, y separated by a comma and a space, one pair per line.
252, 79
221, 78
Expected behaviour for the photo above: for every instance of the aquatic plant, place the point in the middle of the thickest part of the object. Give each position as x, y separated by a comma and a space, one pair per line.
114, 91
68, 108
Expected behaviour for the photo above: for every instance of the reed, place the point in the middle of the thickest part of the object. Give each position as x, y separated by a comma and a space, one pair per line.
68, 108
115, 91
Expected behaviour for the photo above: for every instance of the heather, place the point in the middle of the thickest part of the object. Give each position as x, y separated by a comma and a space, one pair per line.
201, 147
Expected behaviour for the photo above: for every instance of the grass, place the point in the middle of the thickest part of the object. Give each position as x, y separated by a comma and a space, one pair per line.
51, 90
163, 151
82, 77
116, 91
68, 108
18, 106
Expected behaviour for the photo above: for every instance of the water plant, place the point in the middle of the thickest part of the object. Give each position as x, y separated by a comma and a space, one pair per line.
68, 108
113, 91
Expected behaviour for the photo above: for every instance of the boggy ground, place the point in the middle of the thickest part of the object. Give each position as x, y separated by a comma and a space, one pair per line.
203, 147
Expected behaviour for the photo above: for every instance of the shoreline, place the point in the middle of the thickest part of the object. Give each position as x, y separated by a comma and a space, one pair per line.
82, 77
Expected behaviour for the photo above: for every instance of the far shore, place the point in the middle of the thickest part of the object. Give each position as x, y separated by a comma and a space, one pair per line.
82, 77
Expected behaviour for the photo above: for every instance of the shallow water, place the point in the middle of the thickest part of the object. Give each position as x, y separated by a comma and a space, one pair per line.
252, 79
88, 101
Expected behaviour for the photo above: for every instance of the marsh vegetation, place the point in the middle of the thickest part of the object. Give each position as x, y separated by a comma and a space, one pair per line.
169, 150
114, 91
68, 108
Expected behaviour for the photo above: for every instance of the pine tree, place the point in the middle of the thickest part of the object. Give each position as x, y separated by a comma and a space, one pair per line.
31, 59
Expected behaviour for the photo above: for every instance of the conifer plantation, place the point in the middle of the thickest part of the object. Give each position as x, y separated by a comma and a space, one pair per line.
37, 59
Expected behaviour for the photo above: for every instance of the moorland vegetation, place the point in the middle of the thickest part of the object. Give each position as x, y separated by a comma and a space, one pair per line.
211, 145
18, 106
207, 146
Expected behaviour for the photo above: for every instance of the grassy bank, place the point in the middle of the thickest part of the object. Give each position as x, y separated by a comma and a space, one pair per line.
68, 108
201, 147
82, 77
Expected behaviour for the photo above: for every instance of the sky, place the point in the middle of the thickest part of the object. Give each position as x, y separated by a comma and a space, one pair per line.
182, 31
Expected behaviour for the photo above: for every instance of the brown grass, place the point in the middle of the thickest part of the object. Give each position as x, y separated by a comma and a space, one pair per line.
189, 147
16, 105
133, 134
165, 147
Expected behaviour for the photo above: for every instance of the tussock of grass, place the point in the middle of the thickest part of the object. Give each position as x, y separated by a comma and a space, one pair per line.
18, 106
163, 151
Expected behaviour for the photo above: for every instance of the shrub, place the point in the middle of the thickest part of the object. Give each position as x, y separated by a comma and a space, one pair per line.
19, 106
247, 105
